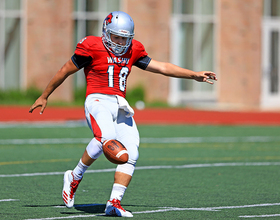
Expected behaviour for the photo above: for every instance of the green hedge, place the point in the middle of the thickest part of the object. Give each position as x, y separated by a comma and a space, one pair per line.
28, 97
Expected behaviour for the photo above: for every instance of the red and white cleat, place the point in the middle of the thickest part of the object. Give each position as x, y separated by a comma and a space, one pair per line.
69, 188
114, 208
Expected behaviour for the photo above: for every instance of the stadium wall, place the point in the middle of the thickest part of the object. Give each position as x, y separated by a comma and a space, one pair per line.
49, 44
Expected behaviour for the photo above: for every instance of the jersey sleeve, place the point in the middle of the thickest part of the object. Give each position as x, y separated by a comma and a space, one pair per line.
81, 61
141, 52
83, 48
142, 62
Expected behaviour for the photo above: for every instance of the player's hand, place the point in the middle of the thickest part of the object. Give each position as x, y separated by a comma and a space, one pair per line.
204, 76
40, 102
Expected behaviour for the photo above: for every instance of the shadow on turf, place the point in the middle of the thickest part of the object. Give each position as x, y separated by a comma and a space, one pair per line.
91, 208
98, 208
86, 208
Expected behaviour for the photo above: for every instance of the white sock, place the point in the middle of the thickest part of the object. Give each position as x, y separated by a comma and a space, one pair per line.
79, 170
117, 191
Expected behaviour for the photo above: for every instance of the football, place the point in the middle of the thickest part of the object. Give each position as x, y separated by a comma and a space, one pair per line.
115, 152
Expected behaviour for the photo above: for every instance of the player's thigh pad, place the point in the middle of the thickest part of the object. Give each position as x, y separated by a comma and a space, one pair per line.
100, 114
128, 135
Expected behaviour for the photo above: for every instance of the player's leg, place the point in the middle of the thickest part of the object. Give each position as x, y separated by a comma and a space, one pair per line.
91, 153
128, 135
73, 178
99, 114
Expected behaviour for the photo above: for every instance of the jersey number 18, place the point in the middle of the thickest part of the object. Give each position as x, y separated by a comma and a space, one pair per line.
122, 77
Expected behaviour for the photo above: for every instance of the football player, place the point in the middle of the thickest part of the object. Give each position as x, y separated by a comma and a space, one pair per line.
107, 63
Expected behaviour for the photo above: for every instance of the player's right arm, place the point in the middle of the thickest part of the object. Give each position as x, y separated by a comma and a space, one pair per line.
169, 69
66, 70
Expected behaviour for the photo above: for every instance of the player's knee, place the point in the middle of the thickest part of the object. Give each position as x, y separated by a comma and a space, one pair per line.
94, 148
132, 145
127, 168
133, 155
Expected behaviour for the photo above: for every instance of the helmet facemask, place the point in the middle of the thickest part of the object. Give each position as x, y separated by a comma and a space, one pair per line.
122, 25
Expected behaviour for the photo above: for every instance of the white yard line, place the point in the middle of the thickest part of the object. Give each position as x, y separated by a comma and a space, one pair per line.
259, 216
164, 209
210, 139
8, 200
167, 140
187, 166
44, 124
155, 140
168, 209
66, 217
38, 141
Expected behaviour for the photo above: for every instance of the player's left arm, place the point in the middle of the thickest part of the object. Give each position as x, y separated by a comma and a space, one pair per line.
66, 70
169, 69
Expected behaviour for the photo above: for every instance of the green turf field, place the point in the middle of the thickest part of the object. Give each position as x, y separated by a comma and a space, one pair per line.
184, 172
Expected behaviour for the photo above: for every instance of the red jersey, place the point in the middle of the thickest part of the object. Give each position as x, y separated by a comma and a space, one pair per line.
107, 73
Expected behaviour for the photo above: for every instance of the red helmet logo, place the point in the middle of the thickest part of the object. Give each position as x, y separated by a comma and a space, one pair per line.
108, 19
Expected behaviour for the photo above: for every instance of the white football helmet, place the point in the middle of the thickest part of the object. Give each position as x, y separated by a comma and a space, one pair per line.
121, 24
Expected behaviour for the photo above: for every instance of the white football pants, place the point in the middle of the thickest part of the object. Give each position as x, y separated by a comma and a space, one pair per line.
107, 121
